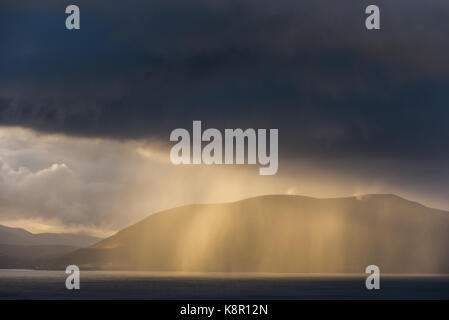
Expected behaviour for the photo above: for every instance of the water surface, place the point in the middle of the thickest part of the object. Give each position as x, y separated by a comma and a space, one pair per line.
32, 284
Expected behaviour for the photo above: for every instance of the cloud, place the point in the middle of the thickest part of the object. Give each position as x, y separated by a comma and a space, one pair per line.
357, 111
41, 177
54, 182
102, 185
139, 71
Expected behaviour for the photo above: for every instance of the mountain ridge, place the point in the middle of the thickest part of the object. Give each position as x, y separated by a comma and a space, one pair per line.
280, 233
362, 196
20, 236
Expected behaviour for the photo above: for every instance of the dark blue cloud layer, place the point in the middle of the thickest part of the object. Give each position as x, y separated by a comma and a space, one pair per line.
309, 68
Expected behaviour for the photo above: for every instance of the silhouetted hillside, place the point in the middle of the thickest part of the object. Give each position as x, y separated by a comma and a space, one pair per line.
22, 249
280, 234
21, 237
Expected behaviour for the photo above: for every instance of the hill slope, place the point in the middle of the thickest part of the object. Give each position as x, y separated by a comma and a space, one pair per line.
21, 237
30, 257
281, 234
25, 250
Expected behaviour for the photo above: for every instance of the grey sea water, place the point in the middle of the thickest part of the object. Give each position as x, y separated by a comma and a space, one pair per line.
31, 284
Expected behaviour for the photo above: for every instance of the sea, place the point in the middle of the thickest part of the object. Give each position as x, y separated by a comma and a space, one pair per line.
44, 285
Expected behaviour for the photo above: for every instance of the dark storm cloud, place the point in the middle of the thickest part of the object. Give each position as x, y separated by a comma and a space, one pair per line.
309, 68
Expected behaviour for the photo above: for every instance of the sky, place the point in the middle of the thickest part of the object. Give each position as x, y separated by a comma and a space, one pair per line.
85, 116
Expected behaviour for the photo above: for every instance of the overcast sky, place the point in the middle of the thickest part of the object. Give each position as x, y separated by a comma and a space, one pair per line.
357, 111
